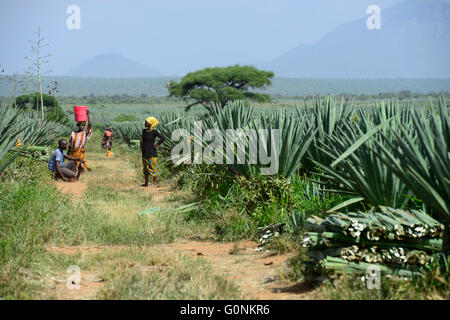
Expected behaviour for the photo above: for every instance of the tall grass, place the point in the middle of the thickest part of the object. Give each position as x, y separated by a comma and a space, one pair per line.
35, 215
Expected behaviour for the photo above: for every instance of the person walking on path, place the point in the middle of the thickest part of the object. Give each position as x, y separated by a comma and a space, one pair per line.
107, 141
149, 152
66, 170
78, 141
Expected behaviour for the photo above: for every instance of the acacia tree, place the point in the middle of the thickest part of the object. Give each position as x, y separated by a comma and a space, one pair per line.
35, 69
217, 86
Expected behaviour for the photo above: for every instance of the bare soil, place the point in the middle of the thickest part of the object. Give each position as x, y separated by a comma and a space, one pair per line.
74, 189
160, 194
89, 286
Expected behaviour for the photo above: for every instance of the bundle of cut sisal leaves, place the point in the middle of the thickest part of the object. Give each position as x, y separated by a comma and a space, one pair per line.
396, 240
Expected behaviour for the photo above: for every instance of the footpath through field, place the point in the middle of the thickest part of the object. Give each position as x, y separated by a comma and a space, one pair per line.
113, 186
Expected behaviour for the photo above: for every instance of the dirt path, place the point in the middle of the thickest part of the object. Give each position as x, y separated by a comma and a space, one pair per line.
74, 189
88, 289
256, 272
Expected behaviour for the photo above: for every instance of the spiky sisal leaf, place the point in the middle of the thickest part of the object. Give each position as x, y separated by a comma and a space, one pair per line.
128, 130
423, 162
328, 116
24, 126
295, 135
355, 169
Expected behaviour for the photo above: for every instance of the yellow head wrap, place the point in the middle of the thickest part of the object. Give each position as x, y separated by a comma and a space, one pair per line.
152, 121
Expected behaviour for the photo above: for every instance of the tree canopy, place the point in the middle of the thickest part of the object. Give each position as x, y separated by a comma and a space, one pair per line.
26, 100
217, 86
53, 110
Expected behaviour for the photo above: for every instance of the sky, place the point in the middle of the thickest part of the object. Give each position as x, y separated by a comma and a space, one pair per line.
171, 36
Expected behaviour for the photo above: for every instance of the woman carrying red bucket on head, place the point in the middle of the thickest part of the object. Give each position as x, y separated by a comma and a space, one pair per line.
79, 137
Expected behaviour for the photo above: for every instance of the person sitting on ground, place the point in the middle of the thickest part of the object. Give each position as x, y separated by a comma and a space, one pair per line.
78, 141
68, 170
148, 148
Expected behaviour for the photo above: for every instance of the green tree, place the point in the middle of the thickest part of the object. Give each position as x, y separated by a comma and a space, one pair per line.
53, 110
29, 101
217, 86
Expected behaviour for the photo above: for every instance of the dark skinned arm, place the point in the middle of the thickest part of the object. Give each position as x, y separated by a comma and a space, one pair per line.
89, 119
70, 143
72, 158
161, 139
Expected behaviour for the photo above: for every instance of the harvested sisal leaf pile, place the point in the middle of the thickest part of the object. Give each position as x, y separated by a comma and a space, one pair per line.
397, 241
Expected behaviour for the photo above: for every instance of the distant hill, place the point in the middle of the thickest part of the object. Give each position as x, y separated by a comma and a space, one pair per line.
113, 65
413, 42
284, 86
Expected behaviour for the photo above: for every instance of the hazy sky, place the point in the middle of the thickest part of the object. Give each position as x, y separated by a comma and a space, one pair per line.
171, 36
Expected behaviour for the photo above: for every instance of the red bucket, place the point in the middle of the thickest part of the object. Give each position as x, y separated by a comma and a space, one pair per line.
80, 113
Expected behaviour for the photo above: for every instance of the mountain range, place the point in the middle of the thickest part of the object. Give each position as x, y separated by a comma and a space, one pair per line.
413, 41
113, 65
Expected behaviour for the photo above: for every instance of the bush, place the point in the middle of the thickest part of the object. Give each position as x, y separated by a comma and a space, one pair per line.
57, 115
125, 117
310, 197
53, 110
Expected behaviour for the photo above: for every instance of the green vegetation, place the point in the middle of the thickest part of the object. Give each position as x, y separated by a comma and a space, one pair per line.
215, 87
52, 108
23, 236
31, 101
24, 127
421, 161
434, 286
124, 117
344, 157
156, 274
47, 218
350, 152
365, 89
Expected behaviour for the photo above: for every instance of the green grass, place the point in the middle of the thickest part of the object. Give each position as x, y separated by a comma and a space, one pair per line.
35, 215
309, 196
159, 274
434, 285
237, 207
104, 114
353, 288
